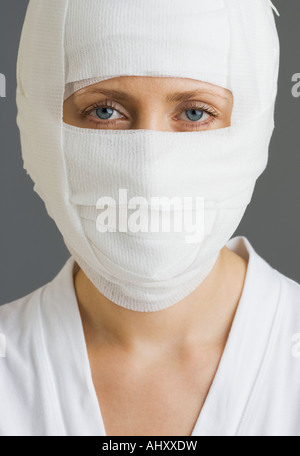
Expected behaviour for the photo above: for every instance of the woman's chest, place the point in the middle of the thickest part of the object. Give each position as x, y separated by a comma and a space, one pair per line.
160, 402
149, 412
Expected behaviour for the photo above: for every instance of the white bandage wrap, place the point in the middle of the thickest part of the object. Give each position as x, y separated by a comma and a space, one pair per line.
67, 45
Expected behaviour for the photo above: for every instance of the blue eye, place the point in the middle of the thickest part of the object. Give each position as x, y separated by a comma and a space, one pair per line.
194, 114
104, 113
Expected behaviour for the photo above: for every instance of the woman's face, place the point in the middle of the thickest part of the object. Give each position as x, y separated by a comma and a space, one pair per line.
150, 103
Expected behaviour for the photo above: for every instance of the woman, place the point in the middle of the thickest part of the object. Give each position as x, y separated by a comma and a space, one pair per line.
145, 331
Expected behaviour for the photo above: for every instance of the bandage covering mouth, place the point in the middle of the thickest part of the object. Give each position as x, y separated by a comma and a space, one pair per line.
67, 45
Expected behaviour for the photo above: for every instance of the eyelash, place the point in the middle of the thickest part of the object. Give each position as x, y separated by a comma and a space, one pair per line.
111, 104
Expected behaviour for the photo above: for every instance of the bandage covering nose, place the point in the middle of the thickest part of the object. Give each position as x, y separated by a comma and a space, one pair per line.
67, 45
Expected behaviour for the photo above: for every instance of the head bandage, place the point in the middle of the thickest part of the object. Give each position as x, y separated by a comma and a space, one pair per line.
67, 45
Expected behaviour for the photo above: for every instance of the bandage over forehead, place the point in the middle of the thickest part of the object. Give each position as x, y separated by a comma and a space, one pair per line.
137, 37
230, 43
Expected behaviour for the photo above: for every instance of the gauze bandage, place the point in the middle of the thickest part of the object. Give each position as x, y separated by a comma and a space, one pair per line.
67, 45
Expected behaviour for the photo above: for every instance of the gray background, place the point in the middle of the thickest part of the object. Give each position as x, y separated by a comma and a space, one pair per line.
31, 248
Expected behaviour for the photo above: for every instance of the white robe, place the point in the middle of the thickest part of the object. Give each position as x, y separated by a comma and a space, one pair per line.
46, 387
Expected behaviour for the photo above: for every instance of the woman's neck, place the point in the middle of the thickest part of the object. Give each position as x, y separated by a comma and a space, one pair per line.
203, 317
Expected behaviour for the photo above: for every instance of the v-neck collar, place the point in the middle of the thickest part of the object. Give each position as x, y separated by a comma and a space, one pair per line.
66, 350
234, 381
236, 378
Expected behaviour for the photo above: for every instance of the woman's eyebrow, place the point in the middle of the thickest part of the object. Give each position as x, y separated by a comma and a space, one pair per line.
184, 96
109, 93
175, 96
